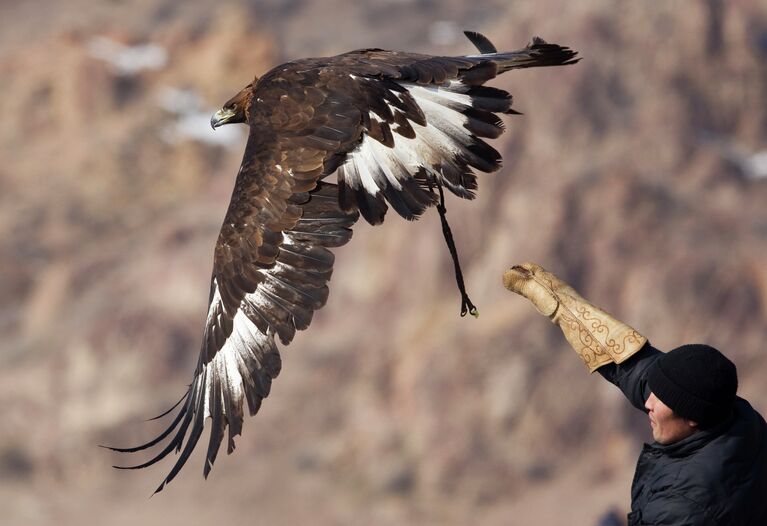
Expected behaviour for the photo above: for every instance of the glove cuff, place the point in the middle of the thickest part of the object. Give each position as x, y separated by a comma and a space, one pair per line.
596, 336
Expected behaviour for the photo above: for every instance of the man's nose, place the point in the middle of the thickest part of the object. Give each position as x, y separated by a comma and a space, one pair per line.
649, 402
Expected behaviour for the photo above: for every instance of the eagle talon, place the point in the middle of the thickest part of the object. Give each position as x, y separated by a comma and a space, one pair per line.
468, 307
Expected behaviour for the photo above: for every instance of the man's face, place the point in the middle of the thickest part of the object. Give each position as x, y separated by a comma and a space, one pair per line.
667, 427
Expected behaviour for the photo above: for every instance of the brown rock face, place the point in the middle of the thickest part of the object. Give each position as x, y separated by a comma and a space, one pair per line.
634, 175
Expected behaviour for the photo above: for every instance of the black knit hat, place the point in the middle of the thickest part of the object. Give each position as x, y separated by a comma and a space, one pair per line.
696, 381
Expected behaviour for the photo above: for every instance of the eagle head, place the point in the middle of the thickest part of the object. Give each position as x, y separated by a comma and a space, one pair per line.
235, 110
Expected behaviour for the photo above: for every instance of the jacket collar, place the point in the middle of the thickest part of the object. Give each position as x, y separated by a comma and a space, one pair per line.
693, 442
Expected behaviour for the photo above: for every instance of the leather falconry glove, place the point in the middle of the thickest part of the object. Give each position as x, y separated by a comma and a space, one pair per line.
595, 335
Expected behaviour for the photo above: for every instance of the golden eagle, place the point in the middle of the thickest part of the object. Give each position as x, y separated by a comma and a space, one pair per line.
395, 128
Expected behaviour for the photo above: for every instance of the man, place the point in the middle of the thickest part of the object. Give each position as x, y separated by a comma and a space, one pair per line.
708, 462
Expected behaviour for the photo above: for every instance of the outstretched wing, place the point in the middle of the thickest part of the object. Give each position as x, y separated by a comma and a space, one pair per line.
392, 125
271, 270
239, 357
424, 121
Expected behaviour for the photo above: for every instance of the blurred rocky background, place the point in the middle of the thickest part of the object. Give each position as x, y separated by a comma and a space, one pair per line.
639, 175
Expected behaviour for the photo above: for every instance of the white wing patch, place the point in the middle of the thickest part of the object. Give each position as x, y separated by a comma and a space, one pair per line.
230, 363
403, 154
443, 136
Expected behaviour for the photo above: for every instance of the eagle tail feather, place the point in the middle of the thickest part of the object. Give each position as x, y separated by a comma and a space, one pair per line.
538, 53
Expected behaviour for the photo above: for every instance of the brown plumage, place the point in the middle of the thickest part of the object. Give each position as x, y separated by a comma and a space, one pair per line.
393, 127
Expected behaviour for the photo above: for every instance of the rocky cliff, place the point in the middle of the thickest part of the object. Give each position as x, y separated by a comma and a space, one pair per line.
638, 175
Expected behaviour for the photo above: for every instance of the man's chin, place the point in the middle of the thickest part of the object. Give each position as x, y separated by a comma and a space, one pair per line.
656, 436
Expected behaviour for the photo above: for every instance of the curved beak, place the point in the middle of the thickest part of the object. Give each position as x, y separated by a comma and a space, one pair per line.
221, 117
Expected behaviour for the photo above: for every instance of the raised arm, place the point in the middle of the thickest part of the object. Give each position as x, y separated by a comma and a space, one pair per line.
595, 335
617, 351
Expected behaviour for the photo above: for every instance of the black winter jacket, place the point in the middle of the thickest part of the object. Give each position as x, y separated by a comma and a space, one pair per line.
716, 477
